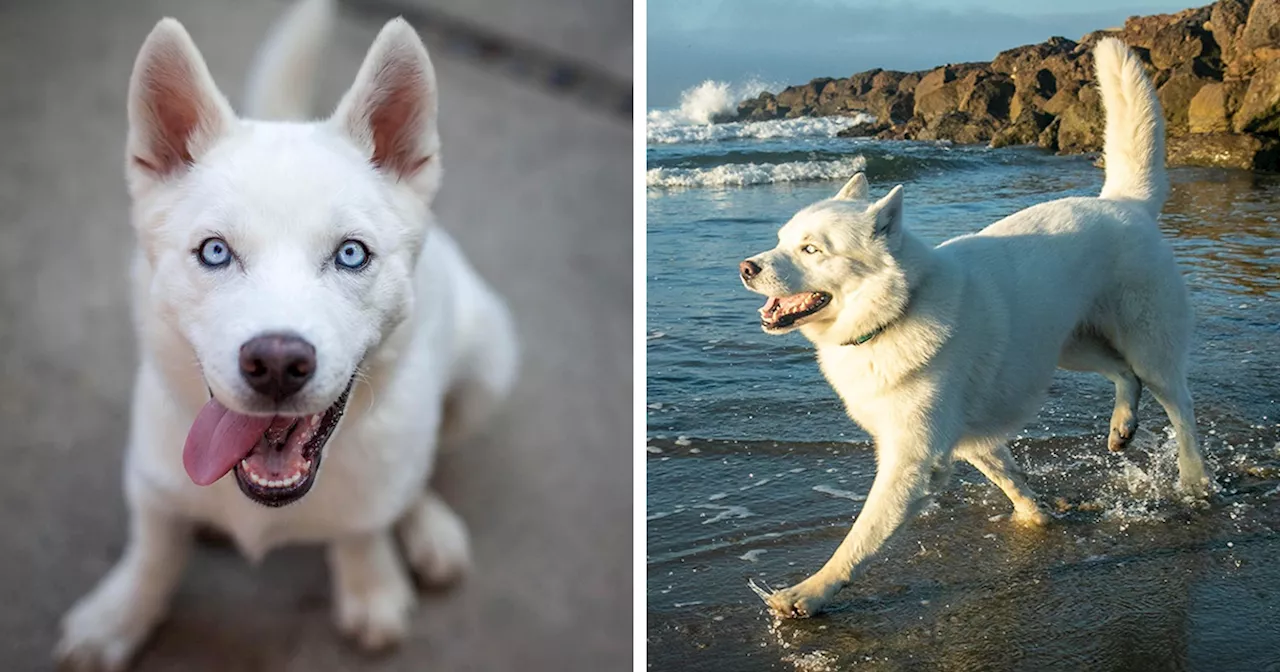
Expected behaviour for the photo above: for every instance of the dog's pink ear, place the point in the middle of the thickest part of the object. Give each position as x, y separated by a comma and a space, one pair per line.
176, 112
390, 110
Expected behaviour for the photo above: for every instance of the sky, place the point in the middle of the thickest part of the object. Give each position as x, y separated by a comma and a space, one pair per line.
782, 42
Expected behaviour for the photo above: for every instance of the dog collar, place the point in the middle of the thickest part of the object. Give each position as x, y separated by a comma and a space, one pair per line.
866, 337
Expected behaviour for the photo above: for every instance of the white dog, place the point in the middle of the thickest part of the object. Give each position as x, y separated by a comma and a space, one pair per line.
941, 353
306, 331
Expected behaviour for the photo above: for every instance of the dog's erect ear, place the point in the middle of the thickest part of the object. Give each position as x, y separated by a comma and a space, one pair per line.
888, 214
176, 112
856, 189
390, 110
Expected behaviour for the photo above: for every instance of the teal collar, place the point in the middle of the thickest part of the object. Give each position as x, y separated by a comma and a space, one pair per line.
866, 337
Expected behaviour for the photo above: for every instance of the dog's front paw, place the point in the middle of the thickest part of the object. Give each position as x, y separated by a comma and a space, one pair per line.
803, 600
1031, 517
100, 634
377, 616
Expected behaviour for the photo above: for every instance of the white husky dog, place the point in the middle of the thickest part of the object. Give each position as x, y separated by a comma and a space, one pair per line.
941, 353
306, 331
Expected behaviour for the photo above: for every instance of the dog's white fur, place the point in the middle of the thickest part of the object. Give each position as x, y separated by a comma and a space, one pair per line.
417, 327
964, 337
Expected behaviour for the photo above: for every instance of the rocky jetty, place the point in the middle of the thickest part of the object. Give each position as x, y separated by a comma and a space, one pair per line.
1216, 69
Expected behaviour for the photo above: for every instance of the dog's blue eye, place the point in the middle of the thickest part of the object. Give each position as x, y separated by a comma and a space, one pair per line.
809, 249
214, 253
351, 255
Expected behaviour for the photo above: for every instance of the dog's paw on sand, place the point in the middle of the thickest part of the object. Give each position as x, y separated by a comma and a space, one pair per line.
803, 600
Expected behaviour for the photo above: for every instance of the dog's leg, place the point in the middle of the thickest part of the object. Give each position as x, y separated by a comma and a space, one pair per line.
371, 590
997, 464
435, 541
1089, 353
900, 489
1193, 477
105, 628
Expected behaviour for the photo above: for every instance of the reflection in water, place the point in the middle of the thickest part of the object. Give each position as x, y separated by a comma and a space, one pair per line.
1226, 228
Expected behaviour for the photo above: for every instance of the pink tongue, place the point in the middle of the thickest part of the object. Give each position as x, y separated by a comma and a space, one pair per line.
219, 438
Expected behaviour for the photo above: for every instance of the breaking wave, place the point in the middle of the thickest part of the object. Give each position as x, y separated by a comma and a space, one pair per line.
700, 105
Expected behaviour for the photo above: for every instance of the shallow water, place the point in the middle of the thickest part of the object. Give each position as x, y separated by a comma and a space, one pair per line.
754, 471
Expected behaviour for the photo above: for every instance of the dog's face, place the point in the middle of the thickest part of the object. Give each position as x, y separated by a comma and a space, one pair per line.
282, 253
833, 263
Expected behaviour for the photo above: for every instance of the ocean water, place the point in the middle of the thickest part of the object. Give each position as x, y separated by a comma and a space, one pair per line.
755, 472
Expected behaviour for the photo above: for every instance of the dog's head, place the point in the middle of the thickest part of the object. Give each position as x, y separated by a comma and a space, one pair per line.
834, 274
282, 253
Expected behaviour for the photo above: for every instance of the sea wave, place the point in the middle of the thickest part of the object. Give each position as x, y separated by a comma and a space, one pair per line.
661, 131
708, 100
745, 174
699, 105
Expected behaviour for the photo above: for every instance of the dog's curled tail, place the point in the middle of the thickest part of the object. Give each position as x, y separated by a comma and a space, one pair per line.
281, 81
1133, 149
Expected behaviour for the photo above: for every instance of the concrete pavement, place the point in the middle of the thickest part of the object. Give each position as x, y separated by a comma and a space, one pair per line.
537, 190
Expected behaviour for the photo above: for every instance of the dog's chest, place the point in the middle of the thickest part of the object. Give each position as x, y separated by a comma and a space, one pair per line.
869, 385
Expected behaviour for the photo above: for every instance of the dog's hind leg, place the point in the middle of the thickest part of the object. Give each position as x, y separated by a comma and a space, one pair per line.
994, 460
900, 490
1086, 352
1176, 399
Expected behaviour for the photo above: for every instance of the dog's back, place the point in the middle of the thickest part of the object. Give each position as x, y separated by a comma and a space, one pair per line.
281, 81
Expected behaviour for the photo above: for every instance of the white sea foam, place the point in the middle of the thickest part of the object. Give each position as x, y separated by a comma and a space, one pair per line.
691, 121
662, 130
744, 174
836, 492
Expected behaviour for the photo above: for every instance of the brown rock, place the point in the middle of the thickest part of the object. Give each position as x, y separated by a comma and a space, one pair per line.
1080, 125
893, 107
1049, 136
1175, 97
1224, 150
887, 79
1226, 23
1025, 130
986, 94
933, 97
802, 100
1211, 109
1180, 43
1152, 32
958, 127
1260, 108
1262, 30
864, 130
908, 130
761, 108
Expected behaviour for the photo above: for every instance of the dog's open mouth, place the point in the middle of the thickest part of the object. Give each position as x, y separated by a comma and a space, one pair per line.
782, 312
275, 458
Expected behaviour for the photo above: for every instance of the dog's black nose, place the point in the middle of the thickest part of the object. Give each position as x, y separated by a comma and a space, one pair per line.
749, 269
277, 365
